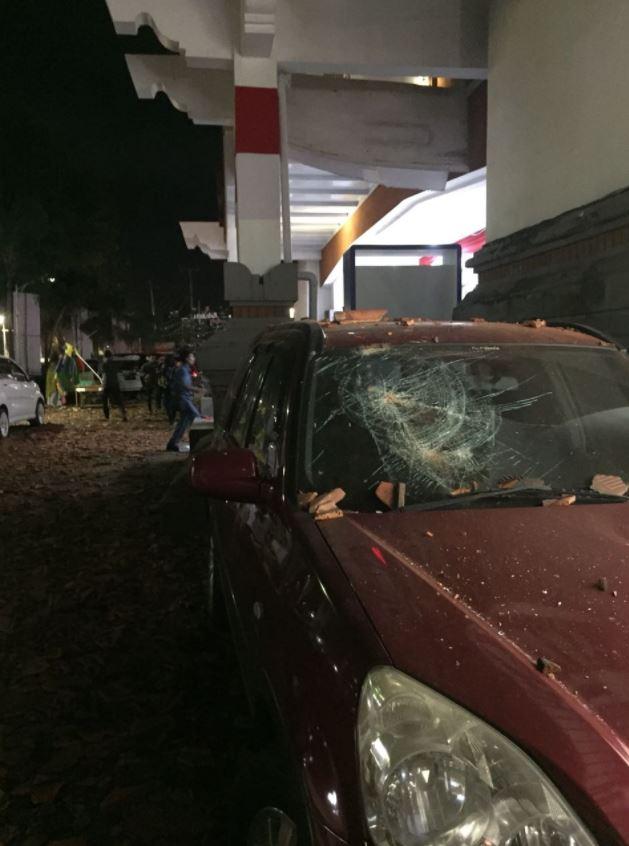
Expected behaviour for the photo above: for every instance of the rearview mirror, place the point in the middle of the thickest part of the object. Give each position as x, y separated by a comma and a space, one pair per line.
230, 474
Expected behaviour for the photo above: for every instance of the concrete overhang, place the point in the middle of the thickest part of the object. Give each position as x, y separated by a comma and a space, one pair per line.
208, 236
397, 38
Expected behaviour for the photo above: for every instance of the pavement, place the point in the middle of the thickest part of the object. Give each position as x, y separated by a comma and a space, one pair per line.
122, 716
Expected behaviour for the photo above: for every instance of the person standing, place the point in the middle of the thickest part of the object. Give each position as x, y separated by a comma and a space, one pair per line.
183, 392
149, 379
168, 377
66, 374
111, 387
159, 382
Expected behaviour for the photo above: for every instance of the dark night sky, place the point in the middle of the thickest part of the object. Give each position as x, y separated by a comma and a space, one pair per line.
72, 124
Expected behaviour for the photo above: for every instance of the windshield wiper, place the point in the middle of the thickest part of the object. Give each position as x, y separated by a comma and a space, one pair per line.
583, 495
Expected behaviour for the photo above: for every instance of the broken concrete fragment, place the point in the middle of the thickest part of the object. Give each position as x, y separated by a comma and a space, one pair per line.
460, 491
409, 321
602, 584
508, 483
326, 502
392, 494
305, 498
429, 534
538, 323
569, 499
548, 667
361, 315
613, 485
331, 514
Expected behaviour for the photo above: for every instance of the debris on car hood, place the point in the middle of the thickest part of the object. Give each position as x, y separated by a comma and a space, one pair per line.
548, 667
322, 506
568, 499
530, 576
391, 494
613, 485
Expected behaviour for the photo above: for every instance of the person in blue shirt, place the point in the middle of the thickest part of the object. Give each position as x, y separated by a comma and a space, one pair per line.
182, 389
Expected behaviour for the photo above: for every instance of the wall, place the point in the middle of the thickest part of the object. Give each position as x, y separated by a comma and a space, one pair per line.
558, 120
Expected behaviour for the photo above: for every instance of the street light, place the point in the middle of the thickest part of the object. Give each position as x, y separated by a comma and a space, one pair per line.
4, 335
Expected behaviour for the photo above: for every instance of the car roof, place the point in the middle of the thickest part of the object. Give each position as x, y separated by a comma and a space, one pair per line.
475, 333
353, 333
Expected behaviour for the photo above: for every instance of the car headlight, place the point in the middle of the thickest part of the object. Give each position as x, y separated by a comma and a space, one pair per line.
435, 775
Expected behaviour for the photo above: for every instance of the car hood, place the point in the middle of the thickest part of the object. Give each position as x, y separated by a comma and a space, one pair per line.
468, 601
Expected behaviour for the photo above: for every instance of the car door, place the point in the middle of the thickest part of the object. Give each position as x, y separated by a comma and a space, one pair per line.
225, 516
7, 387
24, 392
260, 536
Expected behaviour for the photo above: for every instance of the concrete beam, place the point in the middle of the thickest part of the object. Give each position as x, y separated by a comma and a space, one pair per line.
401, 136
396, 38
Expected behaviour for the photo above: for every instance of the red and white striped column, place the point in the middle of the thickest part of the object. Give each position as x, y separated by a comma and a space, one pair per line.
257, 147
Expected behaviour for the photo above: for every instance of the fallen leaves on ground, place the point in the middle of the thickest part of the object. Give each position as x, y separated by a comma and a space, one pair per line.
120, 712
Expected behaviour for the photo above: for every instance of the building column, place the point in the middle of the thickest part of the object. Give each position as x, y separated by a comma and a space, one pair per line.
257, 147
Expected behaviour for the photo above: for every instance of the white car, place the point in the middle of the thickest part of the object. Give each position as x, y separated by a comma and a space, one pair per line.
20, 398
129, 378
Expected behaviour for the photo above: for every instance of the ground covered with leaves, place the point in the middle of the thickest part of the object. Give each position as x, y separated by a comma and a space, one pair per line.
122, 718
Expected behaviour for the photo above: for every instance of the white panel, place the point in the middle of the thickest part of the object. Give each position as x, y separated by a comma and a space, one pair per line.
258, 186
257, 72
408, 291
259, 244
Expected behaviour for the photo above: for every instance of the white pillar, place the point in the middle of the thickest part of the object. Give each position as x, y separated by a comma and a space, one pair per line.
257, 145
229, 188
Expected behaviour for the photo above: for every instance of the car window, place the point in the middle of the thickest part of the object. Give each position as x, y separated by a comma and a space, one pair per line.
241, 418
266, 425
451, 418
5, 369
17, 373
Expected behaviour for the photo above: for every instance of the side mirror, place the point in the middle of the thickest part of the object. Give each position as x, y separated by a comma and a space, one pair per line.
230, 474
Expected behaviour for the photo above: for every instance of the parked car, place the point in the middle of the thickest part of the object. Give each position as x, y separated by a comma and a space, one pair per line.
20, 397
445, 655
129, 377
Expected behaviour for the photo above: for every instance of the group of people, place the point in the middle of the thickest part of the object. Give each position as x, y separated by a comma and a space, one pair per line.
169, 383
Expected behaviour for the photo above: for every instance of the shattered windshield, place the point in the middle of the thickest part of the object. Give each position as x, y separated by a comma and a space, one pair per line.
457, 418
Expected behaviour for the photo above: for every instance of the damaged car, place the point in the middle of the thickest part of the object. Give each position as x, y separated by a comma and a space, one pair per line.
420, 532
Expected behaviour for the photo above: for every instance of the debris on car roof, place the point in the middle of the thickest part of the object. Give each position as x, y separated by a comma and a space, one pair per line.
613, 485
392, 494
538, 323
602, 584
361, 315
410, 321
547, 667
322, 506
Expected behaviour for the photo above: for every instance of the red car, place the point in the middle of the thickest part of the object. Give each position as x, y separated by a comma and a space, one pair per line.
422, 535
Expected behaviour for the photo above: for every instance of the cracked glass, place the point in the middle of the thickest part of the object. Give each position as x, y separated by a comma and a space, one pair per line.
443, 418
